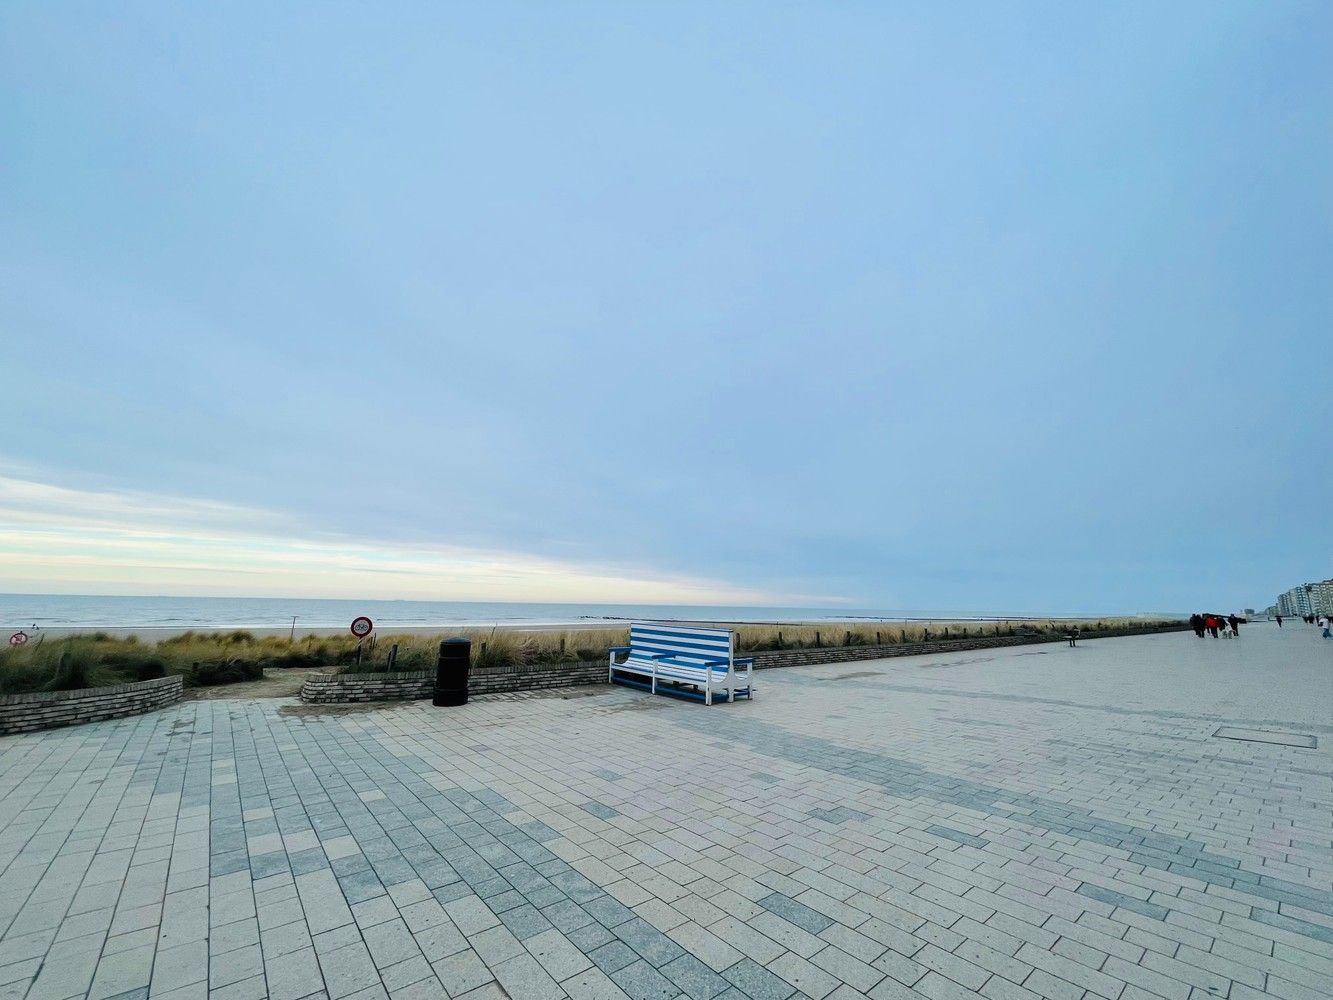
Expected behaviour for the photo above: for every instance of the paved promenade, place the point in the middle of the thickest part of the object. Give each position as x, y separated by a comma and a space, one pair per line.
1018, 823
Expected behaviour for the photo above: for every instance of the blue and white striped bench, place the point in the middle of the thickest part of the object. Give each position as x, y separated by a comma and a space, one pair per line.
677, 659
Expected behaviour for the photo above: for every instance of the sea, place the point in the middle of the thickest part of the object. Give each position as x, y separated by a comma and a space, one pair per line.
64, 611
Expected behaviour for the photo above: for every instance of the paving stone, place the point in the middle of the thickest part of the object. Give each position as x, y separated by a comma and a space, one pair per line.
557, 955
808, 979
523, 976
613, 957
407, 973
695, 979
222, 970
594, 984
293, 975
462, 972
390, 943
648, 941
796, 913
705, 946
756, 982
848, 969
348, 970
640, 981
254, 988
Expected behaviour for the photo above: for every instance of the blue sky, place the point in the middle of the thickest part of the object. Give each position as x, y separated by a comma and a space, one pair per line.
980, 307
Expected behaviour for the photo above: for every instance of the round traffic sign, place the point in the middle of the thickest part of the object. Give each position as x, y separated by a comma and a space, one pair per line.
361, 626
18, 638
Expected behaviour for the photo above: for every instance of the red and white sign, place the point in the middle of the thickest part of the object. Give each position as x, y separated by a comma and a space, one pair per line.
18, 638
361, 627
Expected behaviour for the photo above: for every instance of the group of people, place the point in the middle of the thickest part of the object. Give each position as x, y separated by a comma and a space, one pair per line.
1228, 626
1324, 621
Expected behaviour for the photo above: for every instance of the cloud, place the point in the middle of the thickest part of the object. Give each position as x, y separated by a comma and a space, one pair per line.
58, 539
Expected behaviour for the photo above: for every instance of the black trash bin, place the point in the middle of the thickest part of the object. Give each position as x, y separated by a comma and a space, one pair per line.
451, 673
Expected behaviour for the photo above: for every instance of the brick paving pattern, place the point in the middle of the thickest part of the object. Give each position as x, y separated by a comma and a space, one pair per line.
1011, 824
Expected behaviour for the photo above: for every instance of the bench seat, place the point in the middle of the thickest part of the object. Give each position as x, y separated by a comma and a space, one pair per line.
673, 659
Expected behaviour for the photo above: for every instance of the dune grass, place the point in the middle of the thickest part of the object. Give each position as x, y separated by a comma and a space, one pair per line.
98, 660
207, 658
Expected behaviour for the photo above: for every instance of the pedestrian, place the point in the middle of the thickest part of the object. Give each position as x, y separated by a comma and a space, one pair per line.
1326, 624
1212, 622
1234, 622
1196, 623
1279, 621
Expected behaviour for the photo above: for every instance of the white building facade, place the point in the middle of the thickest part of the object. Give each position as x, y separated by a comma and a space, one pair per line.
1307, 599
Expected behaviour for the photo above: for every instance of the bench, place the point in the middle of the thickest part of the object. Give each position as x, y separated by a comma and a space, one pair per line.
677, 659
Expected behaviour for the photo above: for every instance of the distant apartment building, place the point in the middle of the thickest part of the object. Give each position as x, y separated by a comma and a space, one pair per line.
1307, 599
1294, 603
1321, 597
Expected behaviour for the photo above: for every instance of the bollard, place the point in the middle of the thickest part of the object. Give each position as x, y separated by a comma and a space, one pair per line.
451, 672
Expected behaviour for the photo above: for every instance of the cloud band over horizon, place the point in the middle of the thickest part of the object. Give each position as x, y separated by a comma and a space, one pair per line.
59, 539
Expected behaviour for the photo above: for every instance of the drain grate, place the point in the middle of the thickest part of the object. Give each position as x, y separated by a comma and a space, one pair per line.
1268, 736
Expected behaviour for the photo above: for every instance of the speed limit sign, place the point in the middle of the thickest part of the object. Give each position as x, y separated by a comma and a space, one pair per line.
361, 626
18, 638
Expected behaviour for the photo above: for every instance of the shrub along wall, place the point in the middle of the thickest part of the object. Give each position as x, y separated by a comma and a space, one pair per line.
842, 654
357, 687
346, 688
24, 713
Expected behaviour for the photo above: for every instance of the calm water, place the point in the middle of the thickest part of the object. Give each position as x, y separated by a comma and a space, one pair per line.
64, 611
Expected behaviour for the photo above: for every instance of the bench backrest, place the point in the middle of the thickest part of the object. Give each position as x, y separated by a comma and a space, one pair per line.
693, 645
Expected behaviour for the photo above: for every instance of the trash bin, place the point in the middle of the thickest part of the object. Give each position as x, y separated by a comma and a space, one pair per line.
451, 672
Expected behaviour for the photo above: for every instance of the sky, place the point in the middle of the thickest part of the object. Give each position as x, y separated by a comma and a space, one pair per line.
1016, 308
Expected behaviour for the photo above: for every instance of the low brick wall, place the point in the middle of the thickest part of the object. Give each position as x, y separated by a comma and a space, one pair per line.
329, 689
843, 654
347, 688
536, 676
25, 713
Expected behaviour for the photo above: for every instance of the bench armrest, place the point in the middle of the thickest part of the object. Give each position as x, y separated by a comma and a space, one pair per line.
747, 660
620, 649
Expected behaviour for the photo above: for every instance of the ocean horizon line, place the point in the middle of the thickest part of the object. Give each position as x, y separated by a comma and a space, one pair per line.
162, 612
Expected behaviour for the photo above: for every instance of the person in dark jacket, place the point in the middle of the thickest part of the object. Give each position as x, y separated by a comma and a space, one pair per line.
1234, 622
1196, 623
